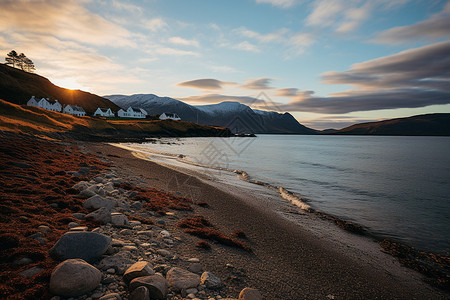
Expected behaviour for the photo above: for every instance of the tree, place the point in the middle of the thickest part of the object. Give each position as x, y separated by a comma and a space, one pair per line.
12, 58
21, 61
29, 65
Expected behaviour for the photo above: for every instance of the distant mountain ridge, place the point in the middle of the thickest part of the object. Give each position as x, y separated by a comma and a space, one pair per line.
17, 86
429, 124
238, 117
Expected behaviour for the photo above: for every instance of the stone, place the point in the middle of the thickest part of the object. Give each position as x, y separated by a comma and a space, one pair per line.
135, 223
250, 294
79, 216
23, 261
126, 231
73, 224
97, 201
81, 186
88, 246
120, 262
119, 219
86, 194
74, 277
211, 281
164, 233
44, 229
156, 285
139, 269
79, 228
195, 268
140, 293
161, 222
148, 233
136, 205
111, 296
164, 253
191, 291
180, 279
28, 273
101, 215
98, 179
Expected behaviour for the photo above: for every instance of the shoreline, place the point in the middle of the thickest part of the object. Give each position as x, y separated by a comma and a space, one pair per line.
261, 239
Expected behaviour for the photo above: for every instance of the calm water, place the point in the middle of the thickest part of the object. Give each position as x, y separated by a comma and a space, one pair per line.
397, 187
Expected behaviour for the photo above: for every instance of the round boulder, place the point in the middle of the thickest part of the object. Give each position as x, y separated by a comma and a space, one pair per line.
74, 277
250, 294
88, 246
139, 269
210, 280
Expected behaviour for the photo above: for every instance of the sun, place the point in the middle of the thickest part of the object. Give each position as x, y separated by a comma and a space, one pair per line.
70, 83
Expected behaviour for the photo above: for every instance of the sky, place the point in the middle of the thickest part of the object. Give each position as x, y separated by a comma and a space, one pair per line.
330, 63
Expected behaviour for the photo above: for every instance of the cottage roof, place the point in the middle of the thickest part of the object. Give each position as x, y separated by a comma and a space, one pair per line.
104, 110
77, 108
136, 110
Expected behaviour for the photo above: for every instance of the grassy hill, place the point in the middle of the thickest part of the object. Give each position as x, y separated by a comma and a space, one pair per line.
37, 121
429, 124
17, 86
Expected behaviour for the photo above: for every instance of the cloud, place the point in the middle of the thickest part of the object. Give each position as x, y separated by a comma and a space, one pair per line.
155, 24
205, 84
217, 98
413, 78
287, 92
277, 36
425, 67
120, 5
246, 46
181, 41
390, 99
257, 84
173, 51
67, 20
437, 26
280, 3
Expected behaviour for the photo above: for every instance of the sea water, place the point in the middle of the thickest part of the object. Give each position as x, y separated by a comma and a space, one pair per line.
396, 187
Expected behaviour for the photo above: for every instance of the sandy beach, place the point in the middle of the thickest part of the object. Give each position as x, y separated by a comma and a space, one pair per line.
313, 260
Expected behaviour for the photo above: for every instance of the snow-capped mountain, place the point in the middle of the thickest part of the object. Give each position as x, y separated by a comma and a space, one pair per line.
238, 117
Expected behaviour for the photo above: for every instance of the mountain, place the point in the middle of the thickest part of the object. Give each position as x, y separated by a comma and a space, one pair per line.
17, 86
238, 117
429, 124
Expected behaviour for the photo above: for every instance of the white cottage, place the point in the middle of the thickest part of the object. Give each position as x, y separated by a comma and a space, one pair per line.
33, 102
171, 116
104, 112
48, 104
131, 112
74, 110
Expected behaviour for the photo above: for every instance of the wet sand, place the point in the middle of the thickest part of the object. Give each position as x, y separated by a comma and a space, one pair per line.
310, 259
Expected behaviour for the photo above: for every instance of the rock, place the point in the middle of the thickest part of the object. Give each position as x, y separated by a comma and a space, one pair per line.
79, 228
135, 223
148, 233
126, 231
96, 202
164, 233
73, 224
195, 268
180, 279
84, 170
74, 277
164, 253
161, 222
139, 269
250, 294
156, 285
119, 261
140, 293
98, 179
81, 186
102, 215
136, 205
112, 296
84, 245
28, 273
119, 219
191, 291
86, 194
44, 229
79, 216
211, 281
23, 261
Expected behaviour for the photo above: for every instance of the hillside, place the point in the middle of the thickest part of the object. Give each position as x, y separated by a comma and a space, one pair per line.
429, 124
238, 117
17, 86
41, 122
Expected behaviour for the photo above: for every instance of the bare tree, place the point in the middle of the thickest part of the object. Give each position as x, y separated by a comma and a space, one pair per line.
21, 61
12, 58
